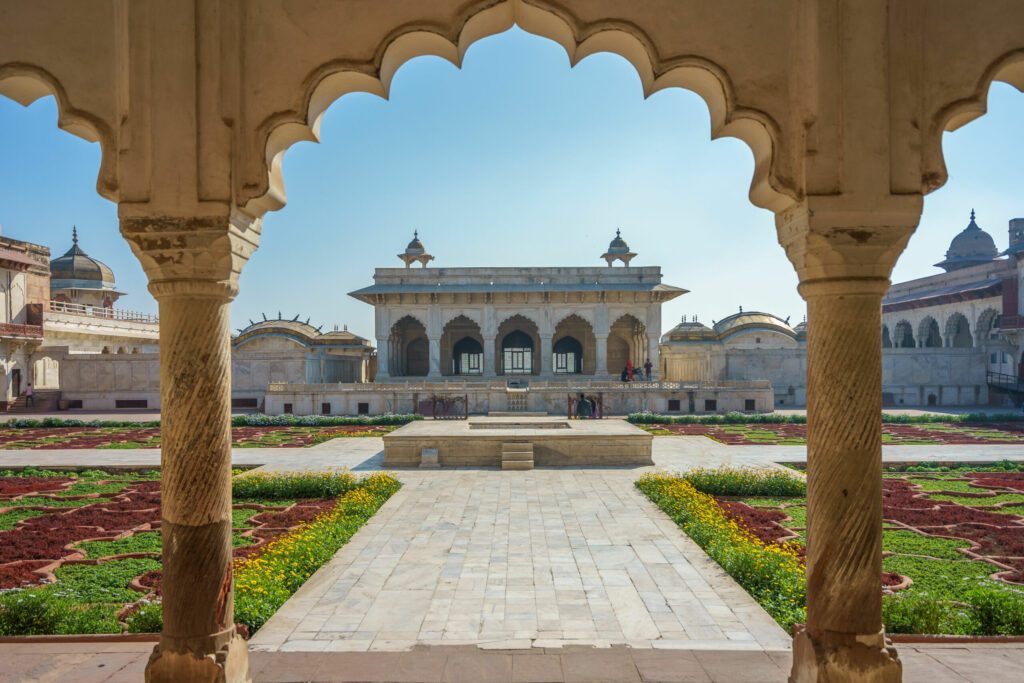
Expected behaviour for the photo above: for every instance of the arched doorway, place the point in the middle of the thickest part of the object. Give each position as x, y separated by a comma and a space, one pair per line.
410, 350
904, 336
958, 332
886, 339
627, 342
568, 356
517, 353
462, 347
468, 357
518, 344
928, 334
574, 330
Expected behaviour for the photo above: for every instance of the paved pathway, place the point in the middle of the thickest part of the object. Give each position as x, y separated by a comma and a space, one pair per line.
125, 662
519, 559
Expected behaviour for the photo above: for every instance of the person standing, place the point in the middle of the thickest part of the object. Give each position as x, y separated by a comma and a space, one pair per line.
30, 395
583, 408
648, 367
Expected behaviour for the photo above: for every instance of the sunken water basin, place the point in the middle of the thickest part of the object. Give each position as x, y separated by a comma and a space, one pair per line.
557, 442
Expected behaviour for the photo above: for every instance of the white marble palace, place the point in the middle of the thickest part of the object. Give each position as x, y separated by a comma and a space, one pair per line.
491, 322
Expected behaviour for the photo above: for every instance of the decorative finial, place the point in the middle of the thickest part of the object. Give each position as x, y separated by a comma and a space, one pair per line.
741, 309
74, 235
618, 233
972, 214
415, 234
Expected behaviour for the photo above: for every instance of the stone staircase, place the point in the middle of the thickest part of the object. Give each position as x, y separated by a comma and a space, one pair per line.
46, 401
517, 456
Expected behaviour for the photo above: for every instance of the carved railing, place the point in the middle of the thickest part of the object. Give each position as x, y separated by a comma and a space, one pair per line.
101, 312
461, 386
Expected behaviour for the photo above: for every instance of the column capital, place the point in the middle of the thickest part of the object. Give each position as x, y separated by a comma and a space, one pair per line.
199, 255
851, 243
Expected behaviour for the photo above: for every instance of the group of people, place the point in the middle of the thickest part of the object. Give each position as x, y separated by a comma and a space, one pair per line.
631, 374
586, 408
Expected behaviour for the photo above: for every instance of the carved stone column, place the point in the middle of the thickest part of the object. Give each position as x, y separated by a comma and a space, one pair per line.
546, 353
844, 256
490, 367
435, 357
193, 266
383, 358
601, 356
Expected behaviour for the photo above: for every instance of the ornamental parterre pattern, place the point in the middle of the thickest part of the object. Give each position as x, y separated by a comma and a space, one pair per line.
982, 509
897, 434
149, 437
53, 523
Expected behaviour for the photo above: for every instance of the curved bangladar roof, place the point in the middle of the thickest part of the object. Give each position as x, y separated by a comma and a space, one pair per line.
747, 320
300, 332
77, 270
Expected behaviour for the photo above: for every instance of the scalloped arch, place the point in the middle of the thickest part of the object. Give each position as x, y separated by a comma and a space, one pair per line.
614, 319
519, 315
470, 316
331, 81
577, 315
25, 84
1009, 68
406, 316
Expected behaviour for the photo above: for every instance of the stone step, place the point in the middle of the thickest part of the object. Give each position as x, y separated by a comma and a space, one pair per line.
517, 456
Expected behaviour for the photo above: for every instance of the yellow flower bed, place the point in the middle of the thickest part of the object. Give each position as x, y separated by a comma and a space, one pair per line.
773, 574
263, 582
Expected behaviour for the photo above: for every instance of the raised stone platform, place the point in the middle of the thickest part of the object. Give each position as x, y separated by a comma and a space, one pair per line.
556, 442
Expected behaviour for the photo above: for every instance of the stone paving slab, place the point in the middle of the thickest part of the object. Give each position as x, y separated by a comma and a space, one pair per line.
517, 560
97, 663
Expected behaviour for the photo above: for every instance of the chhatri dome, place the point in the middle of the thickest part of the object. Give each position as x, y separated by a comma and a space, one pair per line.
971, 247
415, 252
618, 250
76, 275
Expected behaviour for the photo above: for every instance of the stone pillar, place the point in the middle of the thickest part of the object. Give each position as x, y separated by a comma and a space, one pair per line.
193, 266
383, 358
546, 352
844, 256
490, 366
601, 362
435, 357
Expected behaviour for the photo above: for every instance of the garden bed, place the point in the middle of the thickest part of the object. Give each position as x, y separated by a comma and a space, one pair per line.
953, 545
781, 434
81, 553
39, 438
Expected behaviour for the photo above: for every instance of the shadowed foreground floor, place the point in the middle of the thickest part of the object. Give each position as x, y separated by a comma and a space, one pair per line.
124, 662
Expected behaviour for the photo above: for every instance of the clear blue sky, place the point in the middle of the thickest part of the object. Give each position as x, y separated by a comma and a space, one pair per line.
514, 160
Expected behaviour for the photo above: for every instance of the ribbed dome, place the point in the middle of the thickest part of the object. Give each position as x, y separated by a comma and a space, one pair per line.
973, 246
78, 270
415, 246
618, 245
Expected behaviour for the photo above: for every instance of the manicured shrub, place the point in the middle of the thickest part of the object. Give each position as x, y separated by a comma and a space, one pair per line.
745, 481
320, 420
45, 612
773, 573
290, 485
995, 612
148, 618
265, 580
914, 613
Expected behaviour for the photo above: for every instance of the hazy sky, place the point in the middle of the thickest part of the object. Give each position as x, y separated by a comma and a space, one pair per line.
514, 160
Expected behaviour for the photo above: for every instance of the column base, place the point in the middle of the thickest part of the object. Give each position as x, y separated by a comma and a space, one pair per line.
832, 657
229, 664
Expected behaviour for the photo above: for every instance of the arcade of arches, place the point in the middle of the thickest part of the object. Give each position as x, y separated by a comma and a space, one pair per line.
843, 104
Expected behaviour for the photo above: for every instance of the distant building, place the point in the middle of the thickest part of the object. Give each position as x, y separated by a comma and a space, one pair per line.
24, 290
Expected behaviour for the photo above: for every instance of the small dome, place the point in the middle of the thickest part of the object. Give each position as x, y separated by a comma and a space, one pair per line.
415, 246
77, 270
618, 245
973, 246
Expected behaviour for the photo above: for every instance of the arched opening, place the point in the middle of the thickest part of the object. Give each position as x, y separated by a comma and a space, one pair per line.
462, 347
904, 336
568, 358
886, 339
627, 343
933, 400
577, 332
958, 332
468, 357
928, 334
410, 350
517, 353
518, 341
987, 326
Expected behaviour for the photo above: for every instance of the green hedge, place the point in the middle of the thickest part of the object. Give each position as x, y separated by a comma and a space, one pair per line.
773, 418
745, 481
237, 421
